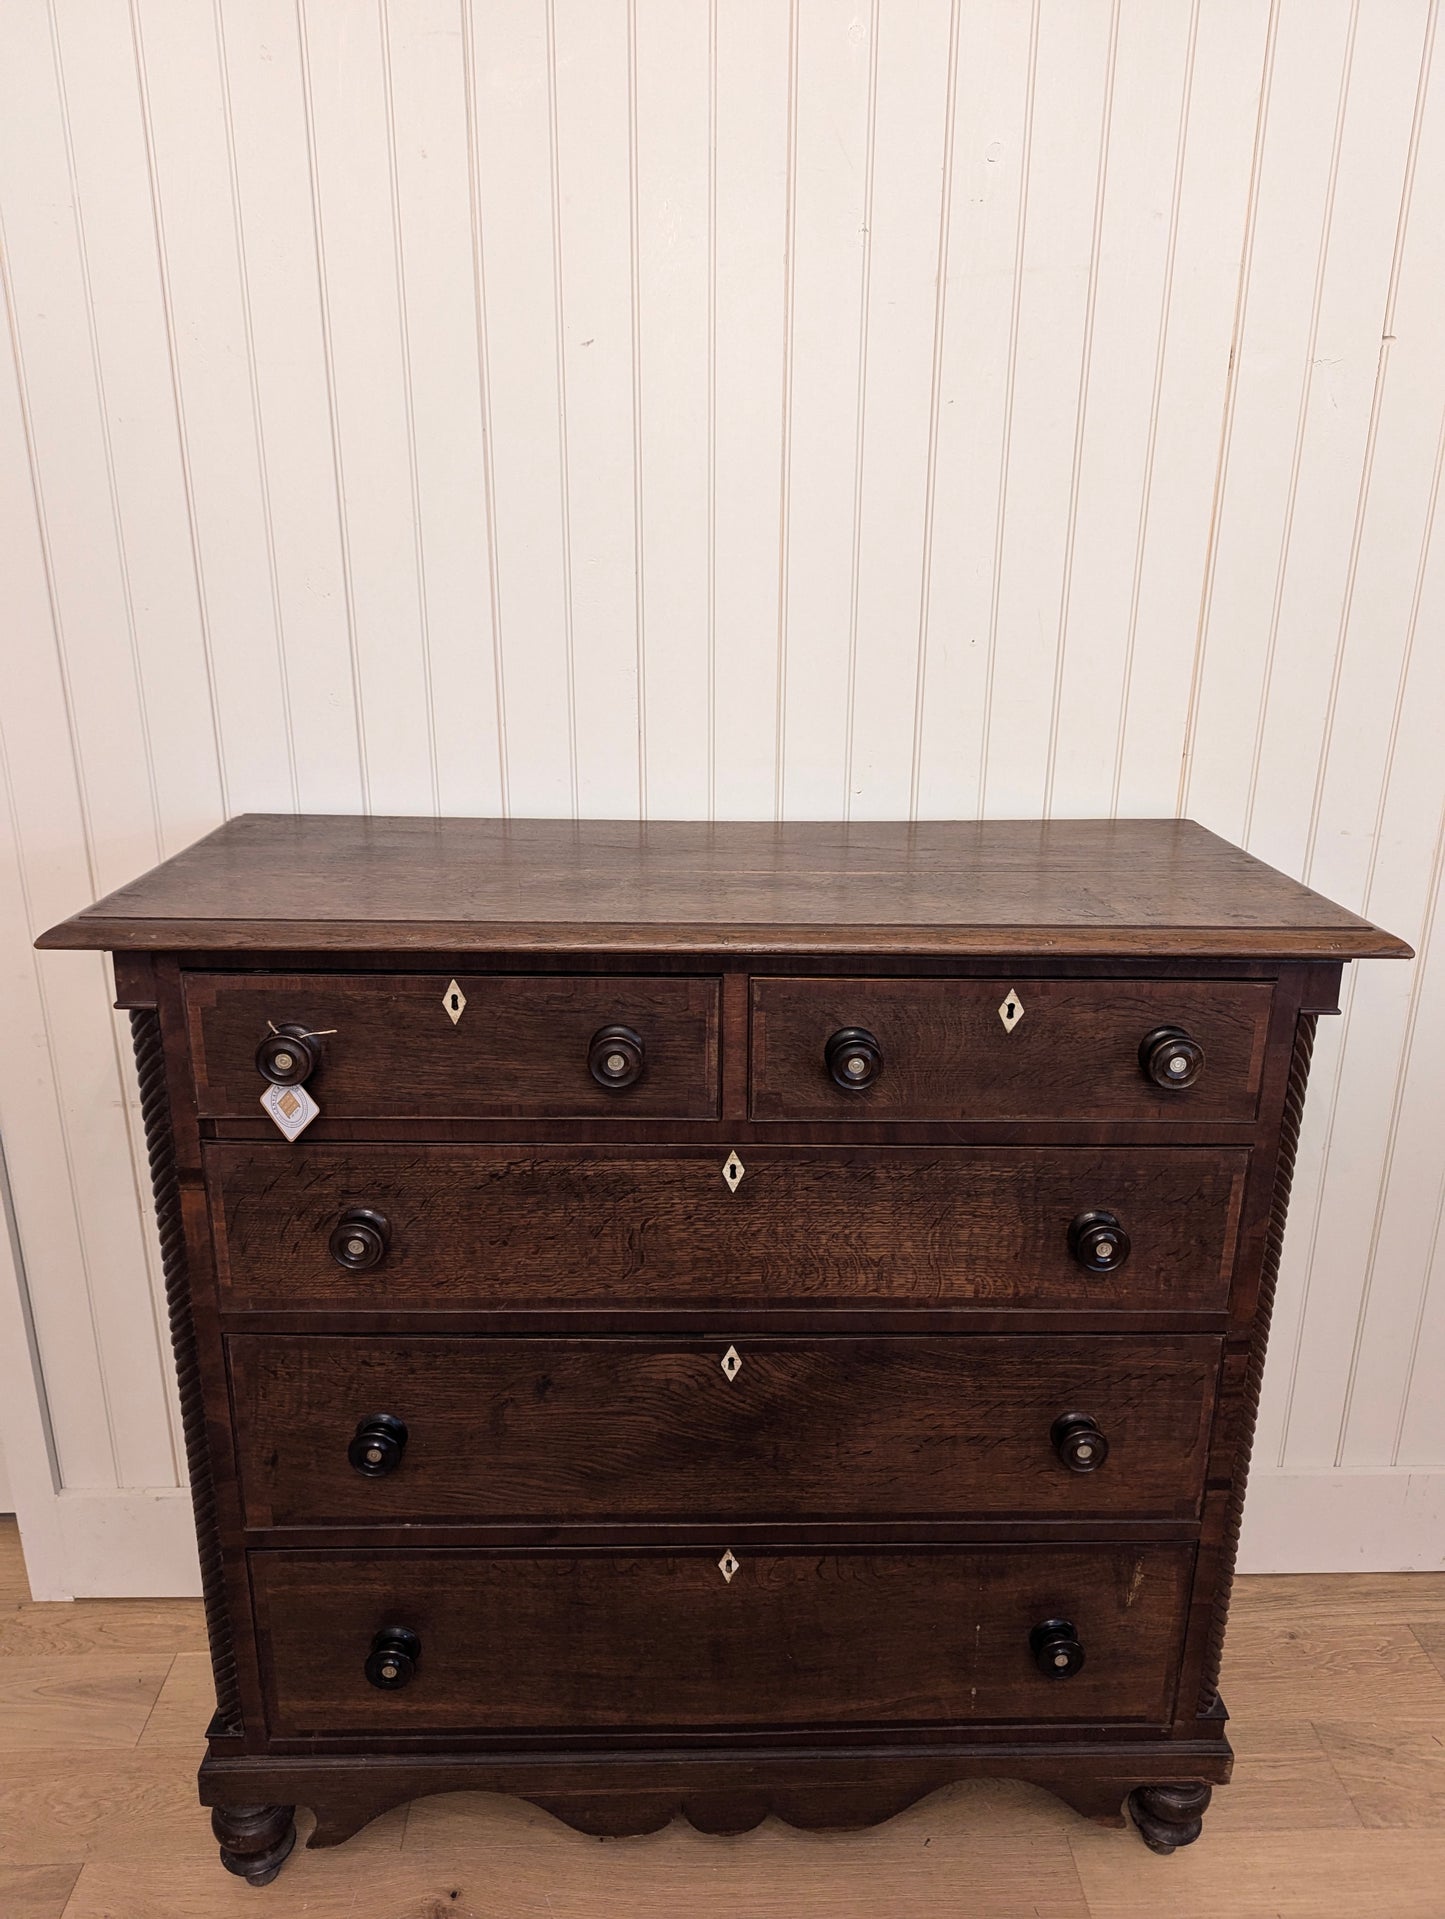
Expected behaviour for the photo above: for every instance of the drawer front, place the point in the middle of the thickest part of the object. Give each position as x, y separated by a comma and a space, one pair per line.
1060, 1049
549, 1430
506, 1228
517, 1049
549, 1640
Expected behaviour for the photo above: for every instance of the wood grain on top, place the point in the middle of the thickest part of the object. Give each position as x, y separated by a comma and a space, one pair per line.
1100, 887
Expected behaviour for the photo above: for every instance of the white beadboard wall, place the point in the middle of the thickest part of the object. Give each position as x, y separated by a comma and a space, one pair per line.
723, 408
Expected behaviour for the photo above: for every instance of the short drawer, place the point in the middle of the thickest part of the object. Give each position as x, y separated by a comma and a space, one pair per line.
665, 1641
549, 1430
641, 1229
1007, 1049
473, 1046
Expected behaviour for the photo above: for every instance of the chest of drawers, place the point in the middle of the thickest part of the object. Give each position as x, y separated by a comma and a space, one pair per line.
760, 1319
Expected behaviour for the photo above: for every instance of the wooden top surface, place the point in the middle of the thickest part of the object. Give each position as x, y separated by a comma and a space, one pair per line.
274, 882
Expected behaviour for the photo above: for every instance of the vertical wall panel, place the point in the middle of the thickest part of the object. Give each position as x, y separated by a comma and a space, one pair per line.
732, 408
511, 77
1192, 372
117, 254
752, 117
288, 363
832, 177
59, 370
1331, 461
1117, 415
1371, 1257
896, 405
43, 836
142, 763
592, 84
673, 78
234, 621
1310, 357
1299, 167
982, 274
1395, 616
429, 122
345, 80
1074, 75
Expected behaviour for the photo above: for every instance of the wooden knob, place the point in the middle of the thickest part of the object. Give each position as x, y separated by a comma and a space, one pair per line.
359, 1239
616, 1057
1056, 1649
1098, 1242
1170, 1058
377, 1445
853, 1058
288, 1056
1079, 1443
394, 1657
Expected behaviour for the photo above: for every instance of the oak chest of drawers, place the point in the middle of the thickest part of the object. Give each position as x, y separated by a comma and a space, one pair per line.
718, 1320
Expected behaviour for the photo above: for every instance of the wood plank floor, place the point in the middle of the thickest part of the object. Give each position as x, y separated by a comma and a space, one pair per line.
1338, 1809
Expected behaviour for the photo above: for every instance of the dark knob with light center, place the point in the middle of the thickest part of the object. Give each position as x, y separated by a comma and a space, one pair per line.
853, 1057
288, 1056
1170, 1057
1098, 1242
393, 1659
377, 1445
359, 1239
1056, 1648
615, 1057
1079, 1443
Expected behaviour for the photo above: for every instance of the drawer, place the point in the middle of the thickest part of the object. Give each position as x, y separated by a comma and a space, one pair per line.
661, 1641
1007, 1049
644, 1228
550, 1430
518, 1048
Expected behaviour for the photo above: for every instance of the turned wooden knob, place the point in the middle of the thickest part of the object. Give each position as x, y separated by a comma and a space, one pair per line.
853, 1058
1098, 1242
359, 1239
615, 1057
377, 1445
288, 1056
393, 1659
1079, 1443
1170, 1057
1056, 1649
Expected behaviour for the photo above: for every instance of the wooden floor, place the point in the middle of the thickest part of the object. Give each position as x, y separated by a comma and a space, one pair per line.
1337, 1687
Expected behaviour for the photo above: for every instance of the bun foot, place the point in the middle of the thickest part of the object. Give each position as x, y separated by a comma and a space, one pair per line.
1170, 1816
256, 1841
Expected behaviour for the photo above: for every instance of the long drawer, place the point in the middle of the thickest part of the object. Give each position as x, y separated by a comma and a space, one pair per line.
712, 1640
1009, 1049
509, 1227
550, 1430
470, 1046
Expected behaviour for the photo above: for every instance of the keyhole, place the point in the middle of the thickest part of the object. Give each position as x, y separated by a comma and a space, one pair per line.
1011, 1012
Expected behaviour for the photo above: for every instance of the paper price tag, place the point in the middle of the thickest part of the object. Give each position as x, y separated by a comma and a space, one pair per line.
292, 1108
